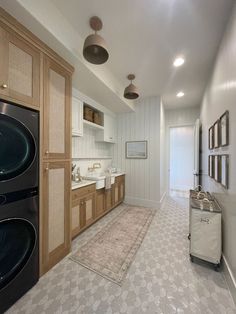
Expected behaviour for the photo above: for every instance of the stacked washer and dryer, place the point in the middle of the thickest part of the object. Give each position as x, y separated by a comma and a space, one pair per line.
19, 202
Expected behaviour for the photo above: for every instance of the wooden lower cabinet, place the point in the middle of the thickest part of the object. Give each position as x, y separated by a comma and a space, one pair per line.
55, 224
87, 210
108, 199
83, 208
100, 202
89, 204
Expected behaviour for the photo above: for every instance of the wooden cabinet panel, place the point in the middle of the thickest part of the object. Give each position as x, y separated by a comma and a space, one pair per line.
108, 199
76, 217
57, 109
56, 213
100, 202
115, 193
87, 210
20, 73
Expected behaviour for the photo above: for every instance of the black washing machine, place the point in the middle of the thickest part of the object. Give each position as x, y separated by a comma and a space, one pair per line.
19, 202
19, 136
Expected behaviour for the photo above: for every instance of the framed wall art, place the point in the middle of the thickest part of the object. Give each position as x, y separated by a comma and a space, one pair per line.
216, 134
224, 129
211, 137
136, 150
217, 172
224, 167
211, 166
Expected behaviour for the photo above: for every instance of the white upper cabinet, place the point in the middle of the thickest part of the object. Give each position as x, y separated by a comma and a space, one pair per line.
109, 133
77, 117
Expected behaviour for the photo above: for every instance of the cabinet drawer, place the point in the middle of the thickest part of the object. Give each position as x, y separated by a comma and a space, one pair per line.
80, 192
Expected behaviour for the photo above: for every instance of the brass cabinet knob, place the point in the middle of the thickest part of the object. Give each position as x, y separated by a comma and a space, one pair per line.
4, 86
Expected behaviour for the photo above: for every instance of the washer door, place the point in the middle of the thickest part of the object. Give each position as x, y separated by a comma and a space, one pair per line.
17, 148
17, 242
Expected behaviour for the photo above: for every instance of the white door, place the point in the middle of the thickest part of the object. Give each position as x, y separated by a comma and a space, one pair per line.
181, 159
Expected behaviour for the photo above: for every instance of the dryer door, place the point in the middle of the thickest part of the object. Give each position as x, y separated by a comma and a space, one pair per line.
17, 242
17, 148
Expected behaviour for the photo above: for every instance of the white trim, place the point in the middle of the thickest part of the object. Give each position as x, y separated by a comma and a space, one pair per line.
229, 278
142, 202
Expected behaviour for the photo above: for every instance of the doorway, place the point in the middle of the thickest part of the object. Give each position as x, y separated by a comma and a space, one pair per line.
181, 160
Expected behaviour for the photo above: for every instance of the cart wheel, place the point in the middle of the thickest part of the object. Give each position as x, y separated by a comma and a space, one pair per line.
216, 267
191, 258
189, 236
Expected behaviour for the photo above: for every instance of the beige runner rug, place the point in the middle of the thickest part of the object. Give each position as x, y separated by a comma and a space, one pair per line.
111, 251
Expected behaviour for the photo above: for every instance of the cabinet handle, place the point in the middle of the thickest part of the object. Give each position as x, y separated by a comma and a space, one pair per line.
47, 152
4, 86
47, 168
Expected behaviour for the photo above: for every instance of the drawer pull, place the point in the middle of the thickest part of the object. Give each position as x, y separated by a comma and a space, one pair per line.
47, 152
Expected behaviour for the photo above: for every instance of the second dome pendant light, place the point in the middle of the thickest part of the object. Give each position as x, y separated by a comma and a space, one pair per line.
131, 91
95, 50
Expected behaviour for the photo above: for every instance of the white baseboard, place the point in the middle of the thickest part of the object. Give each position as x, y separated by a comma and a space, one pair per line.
142, 202
229, 278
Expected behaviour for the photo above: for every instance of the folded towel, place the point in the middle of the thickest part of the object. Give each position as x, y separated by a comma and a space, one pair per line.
108, 181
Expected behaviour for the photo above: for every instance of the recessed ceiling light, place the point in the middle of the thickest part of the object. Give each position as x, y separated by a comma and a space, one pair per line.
180, 94
178, 61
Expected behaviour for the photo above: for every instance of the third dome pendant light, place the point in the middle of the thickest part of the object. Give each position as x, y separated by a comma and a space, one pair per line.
131, 91
95, 50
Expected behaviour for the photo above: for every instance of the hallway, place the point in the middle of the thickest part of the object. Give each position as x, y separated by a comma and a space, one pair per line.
160, 280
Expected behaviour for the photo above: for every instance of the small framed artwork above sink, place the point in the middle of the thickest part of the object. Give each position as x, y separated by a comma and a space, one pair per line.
136, 150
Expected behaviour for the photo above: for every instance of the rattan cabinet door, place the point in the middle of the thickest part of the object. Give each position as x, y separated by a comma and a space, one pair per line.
20, 69
57, 111
56, 217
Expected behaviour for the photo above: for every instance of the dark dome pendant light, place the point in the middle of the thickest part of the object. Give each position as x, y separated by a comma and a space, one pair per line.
95, 50
131, 91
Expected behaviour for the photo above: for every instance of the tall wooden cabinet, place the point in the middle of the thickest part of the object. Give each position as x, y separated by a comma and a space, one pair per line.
33, 75
56, 153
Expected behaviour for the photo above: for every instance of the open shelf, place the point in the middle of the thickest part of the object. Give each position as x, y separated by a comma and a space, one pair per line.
93, 125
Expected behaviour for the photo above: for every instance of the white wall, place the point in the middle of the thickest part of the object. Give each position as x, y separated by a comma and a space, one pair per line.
220, 95
174, 118
142, 175
162, 152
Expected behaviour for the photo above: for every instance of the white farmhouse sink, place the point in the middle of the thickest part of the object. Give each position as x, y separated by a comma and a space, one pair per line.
100, 180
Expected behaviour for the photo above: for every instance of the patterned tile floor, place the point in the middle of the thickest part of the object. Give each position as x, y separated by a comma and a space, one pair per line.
161, 279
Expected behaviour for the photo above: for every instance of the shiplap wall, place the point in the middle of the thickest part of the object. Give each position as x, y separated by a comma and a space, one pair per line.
142, 175
87, 147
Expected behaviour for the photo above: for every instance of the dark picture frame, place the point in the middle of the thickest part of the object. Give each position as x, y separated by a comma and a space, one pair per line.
211, 166
136, 150
224, 169
224, 129
211, 137
216, 133
217, 170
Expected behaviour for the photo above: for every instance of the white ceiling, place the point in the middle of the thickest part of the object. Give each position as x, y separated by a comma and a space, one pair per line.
144, 36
